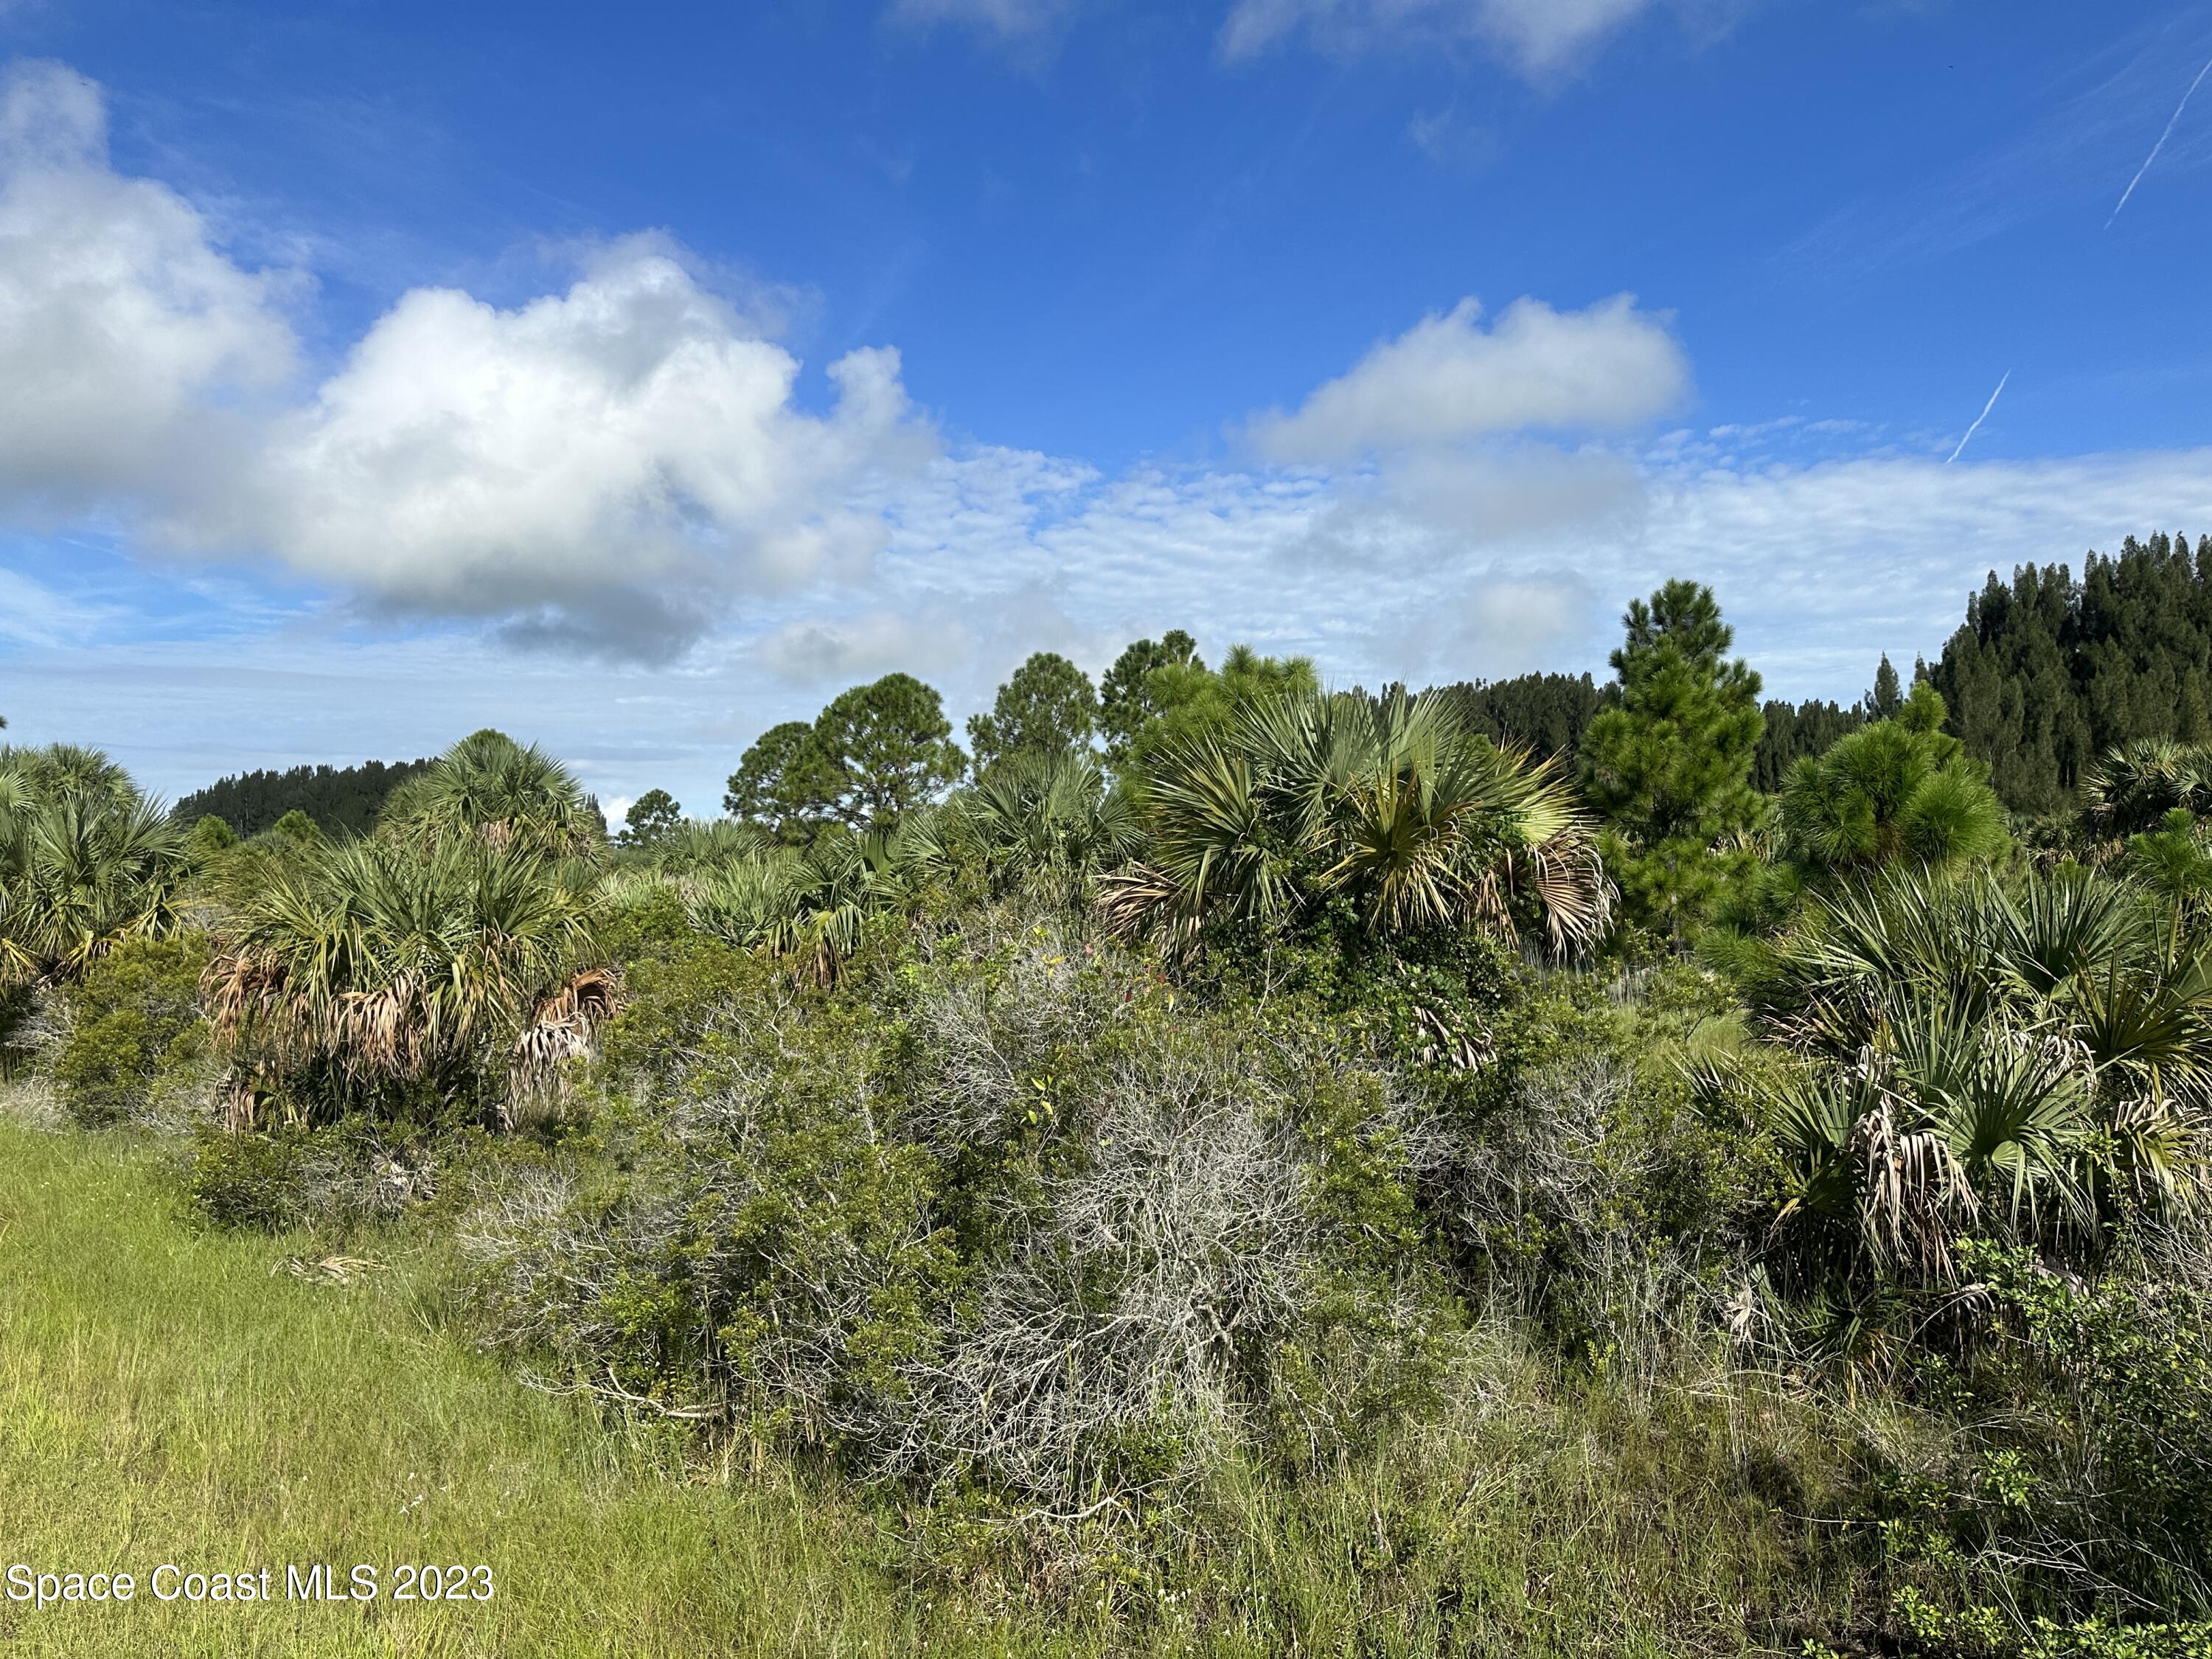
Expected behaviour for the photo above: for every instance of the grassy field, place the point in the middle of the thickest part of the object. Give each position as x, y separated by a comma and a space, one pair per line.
168, 1394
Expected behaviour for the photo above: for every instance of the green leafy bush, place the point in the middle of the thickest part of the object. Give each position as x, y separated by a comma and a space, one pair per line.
1014, 1220
135, 1026
333, 1180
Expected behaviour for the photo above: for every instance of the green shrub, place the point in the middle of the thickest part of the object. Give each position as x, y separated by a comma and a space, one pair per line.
253, 1181
1016, 1220
135, 1027
333, 1180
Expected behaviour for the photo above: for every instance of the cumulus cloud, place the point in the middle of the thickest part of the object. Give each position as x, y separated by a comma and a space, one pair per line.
128, 342
1537, 37
1448, 379
602, 467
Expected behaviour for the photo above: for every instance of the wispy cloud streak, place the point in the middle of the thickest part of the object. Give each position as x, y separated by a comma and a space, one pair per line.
2173, 121
1980, 418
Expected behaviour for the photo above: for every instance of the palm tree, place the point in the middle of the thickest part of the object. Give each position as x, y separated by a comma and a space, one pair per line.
488, 787
85, 860
1392, 804
1950, 1125
1971, 1054
812, 906
382, 967
2138, 783
1048, 822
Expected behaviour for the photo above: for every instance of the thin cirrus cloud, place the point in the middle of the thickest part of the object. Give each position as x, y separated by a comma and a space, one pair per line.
1006, 20
1539, 38
606, 468
1449, 379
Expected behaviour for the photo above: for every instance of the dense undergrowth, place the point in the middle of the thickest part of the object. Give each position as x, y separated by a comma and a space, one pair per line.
1302, 1183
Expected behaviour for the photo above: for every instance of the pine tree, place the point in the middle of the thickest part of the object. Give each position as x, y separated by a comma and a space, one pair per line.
1544, 714
651, 817
1667, 762
2048, 674
1883, 703
1048, 708
1793, 730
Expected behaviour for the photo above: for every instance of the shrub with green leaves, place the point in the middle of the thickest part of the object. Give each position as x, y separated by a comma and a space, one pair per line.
136, 1030
1014, 1220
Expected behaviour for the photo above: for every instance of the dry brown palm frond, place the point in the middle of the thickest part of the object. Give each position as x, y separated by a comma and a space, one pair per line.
1914, 1195
1566, 874
564, 1028
1139, 903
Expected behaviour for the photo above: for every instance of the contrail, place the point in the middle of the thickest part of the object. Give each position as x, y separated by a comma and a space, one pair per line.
1978, 419
2162, 138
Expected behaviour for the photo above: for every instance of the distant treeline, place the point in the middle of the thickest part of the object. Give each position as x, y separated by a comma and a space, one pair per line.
2048, 672
1548, 713
341, 800
2046, 675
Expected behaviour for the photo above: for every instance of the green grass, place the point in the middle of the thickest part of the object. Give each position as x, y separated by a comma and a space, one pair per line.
168, 1394
171, 1394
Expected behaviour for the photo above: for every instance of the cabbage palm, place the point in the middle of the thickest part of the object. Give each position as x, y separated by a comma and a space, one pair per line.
2138, 783
2047, 1048
1392, 804
1049, 820
85, 860
382, 967
504, 793
1948, 1125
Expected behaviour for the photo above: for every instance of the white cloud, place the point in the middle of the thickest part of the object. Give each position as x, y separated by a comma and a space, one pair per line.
1447, 378
1822, 560
603, 467
1519, 490
126, 338
1452, 142
1503, 624
1539, 38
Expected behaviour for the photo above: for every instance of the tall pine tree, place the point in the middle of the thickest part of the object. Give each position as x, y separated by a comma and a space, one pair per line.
1668, 761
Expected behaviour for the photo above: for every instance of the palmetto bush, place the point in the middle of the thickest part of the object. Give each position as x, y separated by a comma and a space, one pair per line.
488, 787
85, 860
1392, 805
1966, 1058
2137, 783
1046, 824
813, 906
384, 973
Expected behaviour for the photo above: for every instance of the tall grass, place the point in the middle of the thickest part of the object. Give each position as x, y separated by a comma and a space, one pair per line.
170, 1395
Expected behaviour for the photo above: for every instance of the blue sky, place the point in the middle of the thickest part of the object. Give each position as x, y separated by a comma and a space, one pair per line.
634, 381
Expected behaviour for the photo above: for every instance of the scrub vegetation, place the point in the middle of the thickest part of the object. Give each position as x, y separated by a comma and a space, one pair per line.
1217, 1165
